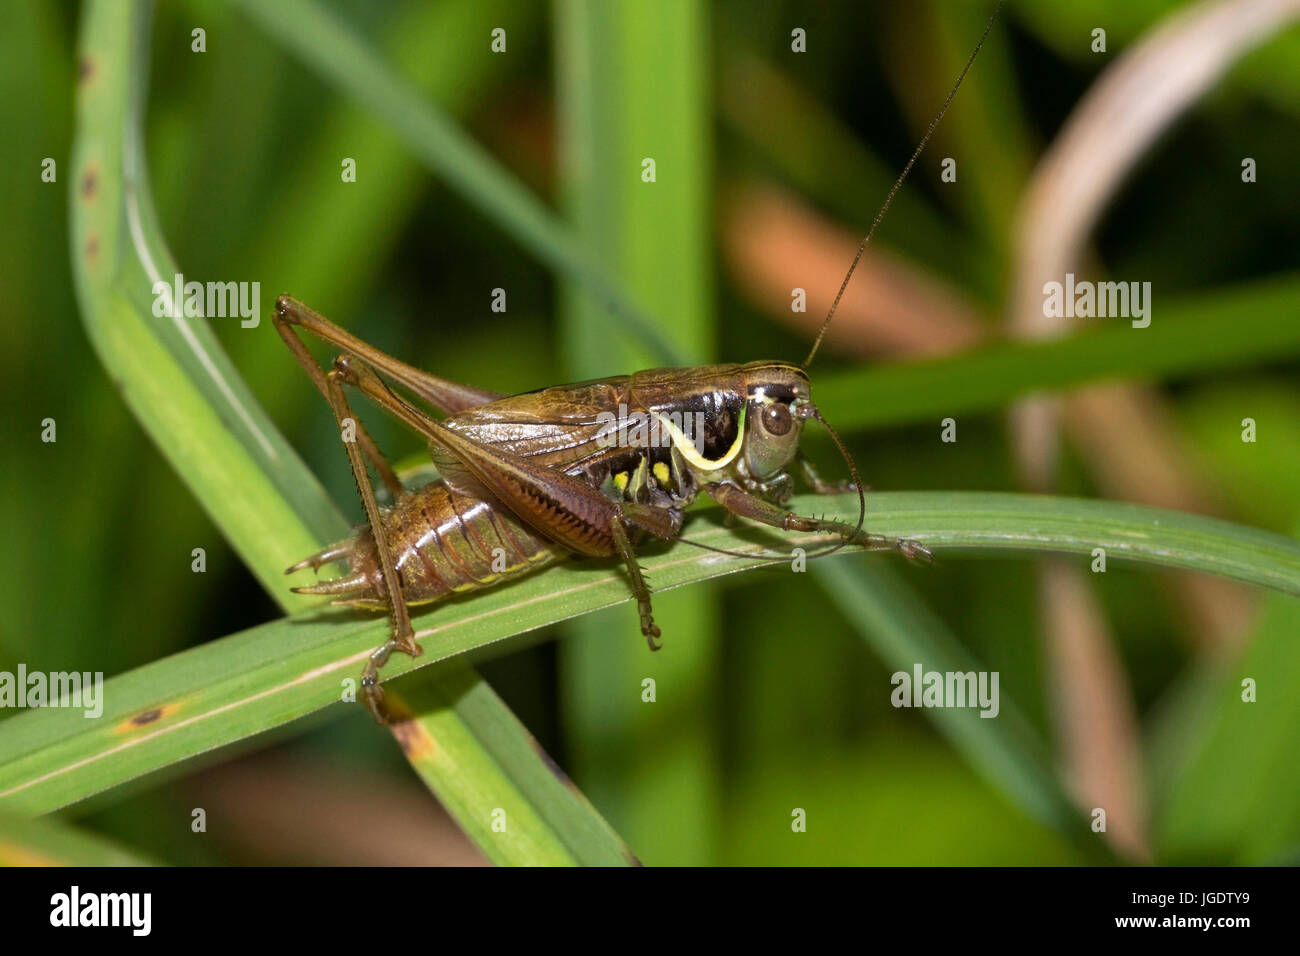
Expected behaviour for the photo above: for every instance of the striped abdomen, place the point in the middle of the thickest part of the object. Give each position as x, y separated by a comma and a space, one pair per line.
442, 542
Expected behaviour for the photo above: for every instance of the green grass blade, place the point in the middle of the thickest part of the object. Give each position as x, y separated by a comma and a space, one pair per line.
192, 402
1224, 328
354, 231
978, 520
27, 842
548, 824
631, 88
1214, 744
1240, 757
1005, 750
330, 48
240, 685
172, 373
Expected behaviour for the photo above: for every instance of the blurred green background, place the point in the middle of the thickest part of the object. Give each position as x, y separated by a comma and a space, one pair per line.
770, 165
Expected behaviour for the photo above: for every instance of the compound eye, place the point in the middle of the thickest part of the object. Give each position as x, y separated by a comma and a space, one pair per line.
777, 419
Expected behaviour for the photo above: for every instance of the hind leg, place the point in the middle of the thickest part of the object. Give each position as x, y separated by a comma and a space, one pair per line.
403, 636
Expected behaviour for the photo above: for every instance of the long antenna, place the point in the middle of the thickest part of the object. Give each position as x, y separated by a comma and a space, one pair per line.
897, 184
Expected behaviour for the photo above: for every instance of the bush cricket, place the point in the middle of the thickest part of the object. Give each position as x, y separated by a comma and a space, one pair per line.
587, 469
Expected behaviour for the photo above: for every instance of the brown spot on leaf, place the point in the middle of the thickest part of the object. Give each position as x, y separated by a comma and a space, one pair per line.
412, 738
92, 248
89, 183
146, 718
85, 69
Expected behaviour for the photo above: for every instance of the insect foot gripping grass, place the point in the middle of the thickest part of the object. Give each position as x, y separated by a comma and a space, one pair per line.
528, 479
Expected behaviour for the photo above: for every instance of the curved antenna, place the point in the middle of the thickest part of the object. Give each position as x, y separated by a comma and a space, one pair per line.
857, 483
893, 191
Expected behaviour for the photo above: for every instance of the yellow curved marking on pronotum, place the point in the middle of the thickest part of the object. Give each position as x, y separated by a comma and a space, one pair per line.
687, 447
148, 718
661, 473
